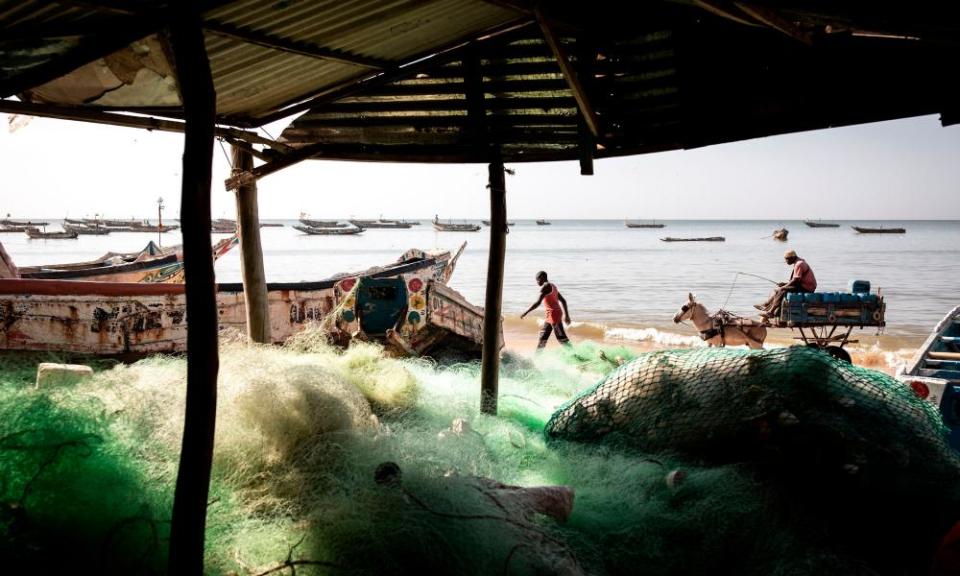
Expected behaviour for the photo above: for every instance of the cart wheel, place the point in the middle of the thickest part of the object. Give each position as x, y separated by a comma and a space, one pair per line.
838, 353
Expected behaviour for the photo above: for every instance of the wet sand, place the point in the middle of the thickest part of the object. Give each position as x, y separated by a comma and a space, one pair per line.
882, 352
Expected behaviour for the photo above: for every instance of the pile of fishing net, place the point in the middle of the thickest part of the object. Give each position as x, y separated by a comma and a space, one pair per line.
330, 462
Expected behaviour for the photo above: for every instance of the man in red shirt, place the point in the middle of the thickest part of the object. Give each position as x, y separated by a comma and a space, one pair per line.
552, 300
801, 280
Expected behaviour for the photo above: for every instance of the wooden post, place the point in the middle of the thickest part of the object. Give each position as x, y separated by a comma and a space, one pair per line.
490, 362
251, 252
193, 476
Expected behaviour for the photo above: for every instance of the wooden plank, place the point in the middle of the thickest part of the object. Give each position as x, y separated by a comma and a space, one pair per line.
188, 522
944, 355
251, 253
490, 360
574, 81
84, 114
772, 19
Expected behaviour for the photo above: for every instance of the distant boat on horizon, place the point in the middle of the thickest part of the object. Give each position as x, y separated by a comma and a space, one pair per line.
706, 239
543, 223
880, 230
487, 223
651, 224
820, 224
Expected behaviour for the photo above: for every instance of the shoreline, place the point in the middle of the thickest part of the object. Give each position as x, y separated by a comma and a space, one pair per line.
883, 352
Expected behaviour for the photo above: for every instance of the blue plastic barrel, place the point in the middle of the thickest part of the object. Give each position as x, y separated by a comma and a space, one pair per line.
859, 286
811, 297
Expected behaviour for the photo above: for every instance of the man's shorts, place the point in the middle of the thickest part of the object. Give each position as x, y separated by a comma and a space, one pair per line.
547, 329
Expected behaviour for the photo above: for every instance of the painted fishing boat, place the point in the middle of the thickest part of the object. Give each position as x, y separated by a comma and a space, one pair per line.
153, 264
819, 224
706, 239
454, 227
543, 223
934, 372
36, 234
652, 224
86, 230
322, 223
880, 230
405, 305
329, 231
781, 234
379, 224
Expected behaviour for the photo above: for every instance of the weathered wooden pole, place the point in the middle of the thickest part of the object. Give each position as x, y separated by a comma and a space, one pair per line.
251, 252
196, 453
490, 363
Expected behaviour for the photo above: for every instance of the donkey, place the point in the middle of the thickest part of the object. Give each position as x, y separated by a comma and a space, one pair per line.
721, 329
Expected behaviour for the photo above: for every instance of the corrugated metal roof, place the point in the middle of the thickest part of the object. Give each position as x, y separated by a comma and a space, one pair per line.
263, 56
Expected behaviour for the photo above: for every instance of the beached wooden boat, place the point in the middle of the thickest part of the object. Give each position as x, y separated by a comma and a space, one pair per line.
706, 239
86, 230
329, 231
543, 223
152, 264
652, 224
379, 224
881, 230
936, 367
780, 234
406, 305
36, 234
453, 227
322, 223
819, 224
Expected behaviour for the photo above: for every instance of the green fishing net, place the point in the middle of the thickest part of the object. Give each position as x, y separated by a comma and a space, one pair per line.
304, 431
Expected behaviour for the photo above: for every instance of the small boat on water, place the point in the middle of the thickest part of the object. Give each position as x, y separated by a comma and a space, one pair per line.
36, 234
315, 231
379, 224
9, 222
322, 223
934, 371
880, 230
544, 223
780, 234
454, 227
15, 228
405, 305
652, 224
487, 223
819, 224
86, 230
706, 239
122, 225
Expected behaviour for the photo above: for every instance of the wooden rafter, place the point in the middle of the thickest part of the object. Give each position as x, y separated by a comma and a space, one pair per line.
408, 67
293, 46
772, 19
145, 122
579, 94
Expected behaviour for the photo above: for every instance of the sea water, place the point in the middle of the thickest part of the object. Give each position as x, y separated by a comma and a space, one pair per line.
619, 282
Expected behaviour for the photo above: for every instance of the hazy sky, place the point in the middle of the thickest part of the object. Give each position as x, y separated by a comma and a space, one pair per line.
907, 169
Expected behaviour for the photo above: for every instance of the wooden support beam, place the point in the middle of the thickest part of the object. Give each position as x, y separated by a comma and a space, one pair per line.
196, 455
775, 21
251, 253
293, 46
288, 159
81, 114
576, 86
586, 58
490, 361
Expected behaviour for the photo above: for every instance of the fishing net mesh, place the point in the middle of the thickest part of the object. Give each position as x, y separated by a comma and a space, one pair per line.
87, 472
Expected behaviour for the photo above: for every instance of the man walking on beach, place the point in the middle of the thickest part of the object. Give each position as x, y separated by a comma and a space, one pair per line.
551, 298
801, 280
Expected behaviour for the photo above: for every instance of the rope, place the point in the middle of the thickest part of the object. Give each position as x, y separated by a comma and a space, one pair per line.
225, 155
730, 293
